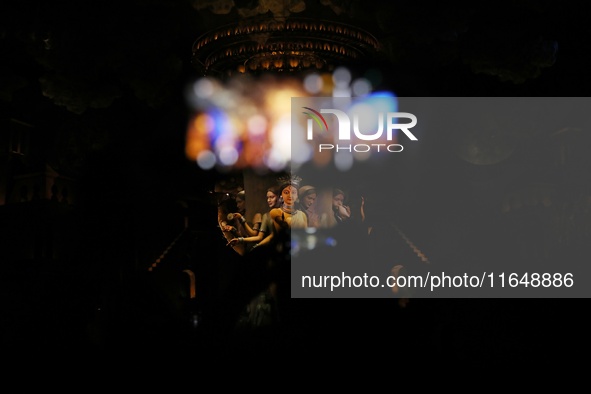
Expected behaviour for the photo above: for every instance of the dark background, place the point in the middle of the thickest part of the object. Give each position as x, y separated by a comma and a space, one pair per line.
102, 87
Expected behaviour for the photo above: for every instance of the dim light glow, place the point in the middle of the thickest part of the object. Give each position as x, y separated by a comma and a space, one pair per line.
206, 159
313, 83
344, 161
341, 77
361, 87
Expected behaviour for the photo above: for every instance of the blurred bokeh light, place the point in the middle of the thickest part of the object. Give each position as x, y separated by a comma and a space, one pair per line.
245, 121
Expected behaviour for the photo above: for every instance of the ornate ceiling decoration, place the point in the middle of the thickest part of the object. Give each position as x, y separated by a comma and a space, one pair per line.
290, 35
274, 39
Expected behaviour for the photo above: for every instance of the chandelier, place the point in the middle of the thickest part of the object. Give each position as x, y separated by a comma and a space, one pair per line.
287, 44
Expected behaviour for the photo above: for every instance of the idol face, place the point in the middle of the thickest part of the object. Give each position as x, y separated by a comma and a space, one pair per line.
272, 199
289, 194
309, 200
337, 201
240, 205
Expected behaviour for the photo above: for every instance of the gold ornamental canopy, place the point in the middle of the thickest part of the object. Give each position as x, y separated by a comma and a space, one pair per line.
281, 44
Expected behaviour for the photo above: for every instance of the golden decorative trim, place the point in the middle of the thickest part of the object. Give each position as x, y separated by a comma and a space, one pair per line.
272, 44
